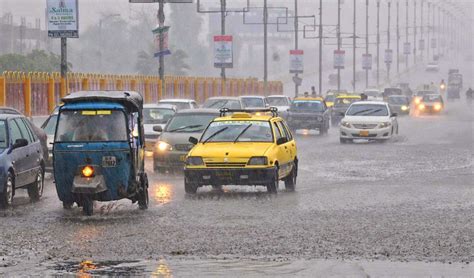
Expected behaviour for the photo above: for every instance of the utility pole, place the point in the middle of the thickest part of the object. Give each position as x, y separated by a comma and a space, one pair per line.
223, 14
64, 59
354, 52
378, 43
320, 47
421, 33
265, 47
161, 24
338, 42
296, 42
428, 41
414, 33
388, 40
398, 37
366, 40
406, 33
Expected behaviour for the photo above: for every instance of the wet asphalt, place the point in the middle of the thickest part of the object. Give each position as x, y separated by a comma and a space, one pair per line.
358, 208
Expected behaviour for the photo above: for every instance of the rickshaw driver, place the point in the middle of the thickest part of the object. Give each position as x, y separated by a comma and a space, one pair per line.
91, 129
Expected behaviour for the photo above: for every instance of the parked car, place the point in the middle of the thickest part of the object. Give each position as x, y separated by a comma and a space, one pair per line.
372, 120
223, 102
180, 103
155, 115
172, 146
21, 159
49, 127
254, 101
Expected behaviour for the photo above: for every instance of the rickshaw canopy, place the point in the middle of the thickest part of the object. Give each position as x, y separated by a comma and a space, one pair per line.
131, 100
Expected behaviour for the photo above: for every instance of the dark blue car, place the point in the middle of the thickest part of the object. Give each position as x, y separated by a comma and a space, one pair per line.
21, 159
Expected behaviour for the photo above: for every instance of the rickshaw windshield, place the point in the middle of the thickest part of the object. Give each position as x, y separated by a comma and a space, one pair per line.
91, 126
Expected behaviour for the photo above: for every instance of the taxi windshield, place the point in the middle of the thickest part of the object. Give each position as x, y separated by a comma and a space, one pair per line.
91, 126
308, 105
3, 135
189, 122
330, 98
238, 131
431, 98
155, 116
253, 102
345, 101
277, 101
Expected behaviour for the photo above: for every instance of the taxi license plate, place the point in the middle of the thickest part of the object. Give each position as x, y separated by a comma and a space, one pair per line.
224, 174
182, 158
109, 161
364, 133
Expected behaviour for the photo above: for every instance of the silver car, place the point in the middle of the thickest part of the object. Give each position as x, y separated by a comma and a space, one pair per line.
155, 115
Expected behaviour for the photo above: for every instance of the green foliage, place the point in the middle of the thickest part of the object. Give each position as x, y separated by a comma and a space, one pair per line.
37, 60
175, 63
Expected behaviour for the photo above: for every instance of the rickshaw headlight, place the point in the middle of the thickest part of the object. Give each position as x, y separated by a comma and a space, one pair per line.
194, 161
88, 171
163, 146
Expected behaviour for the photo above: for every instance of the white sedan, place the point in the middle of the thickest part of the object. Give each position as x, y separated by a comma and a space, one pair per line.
372, 120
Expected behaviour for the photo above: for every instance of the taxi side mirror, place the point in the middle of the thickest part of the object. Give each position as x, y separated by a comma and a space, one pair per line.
158, 128
193, 140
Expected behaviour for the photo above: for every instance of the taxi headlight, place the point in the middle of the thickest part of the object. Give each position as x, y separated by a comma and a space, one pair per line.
437, 106
163, 146
346, 124
421, 106
258, 160
404, 108
385, 124
88, 171
194, 161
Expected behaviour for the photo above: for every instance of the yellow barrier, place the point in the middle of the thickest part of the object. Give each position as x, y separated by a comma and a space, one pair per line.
37, 93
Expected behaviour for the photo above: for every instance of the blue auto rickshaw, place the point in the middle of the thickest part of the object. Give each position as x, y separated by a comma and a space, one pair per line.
98, 151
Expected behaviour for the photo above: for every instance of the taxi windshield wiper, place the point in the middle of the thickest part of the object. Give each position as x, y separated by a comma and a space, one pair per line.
215, 134
184, 127
242, 132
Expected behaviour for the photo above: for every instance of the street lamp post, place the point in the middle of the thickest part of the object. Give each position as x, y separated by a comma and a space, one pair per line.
378, 43
366, 41
338, 42
388, 40
101, 21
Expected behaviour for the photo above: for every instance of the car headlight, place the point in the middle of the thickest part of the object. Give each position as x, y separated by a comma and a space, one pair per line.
437, 106
194, 161
421, 106
404, 108
346, 124
417, 100
258, 160
163, 146
385, 124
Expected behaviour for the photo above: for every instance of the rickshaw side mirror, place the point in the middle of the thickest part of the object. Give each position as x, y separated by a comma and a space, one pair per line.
158, 128
193, 140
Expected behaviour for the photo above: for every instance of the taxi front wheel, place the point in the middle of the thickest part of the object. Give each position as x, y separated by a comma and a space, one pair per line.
190, 188
290, 181
272, 187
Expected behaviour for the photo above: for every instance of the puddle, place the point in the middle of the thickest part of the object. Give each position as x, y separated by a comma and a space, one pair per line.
89, 268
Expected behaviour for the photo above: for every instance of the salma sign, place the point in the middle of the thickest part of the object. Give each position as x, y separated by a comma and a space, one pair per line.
63, 18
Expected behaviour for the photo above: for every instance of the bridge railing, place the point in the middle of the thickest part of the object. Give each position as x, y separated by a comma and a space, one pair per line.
37, 93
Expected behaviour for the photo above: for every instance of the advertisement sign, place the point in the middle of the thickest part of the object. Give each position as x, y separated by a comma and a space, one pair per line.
339, 57
296, 61
433, 43
421, 45
62, 18
388, 56
223, 51
165, 50
407, 48
367, 61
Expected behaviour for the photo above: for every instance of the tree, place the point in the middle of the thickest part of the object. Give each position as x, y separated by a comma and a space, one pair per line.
37, 60
175, 63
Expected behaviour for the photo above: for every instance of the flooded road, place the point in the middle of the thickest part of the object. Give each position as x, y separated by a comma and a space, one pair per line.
357, 206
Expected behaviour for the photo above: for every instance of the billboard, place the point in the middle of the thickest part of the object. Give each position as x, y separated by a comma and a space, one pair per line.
367, 61
62, 18
388, 56
421, 45
339, 59
407, 48
223, 51
296, 61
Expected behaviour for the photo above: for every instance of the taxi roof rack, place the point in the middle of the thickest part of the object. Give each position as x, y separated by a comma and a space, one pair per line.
273, 110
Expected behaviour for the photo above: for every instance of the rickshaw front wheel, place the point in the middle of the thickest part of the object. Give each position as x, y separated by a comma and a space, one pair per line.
68, 205
87, 206
143, 198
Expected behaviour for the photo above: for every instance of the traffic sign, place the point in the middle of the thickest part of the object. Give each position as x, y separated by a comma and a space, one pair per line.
296, 61
407, 48
388, 56
161, 51
367, 61
421, 45
433, 43
157, 1
297, 80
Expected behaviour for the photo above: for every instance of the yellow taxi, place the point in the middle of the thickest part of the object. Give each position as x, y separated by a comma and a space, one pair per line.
243, 149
